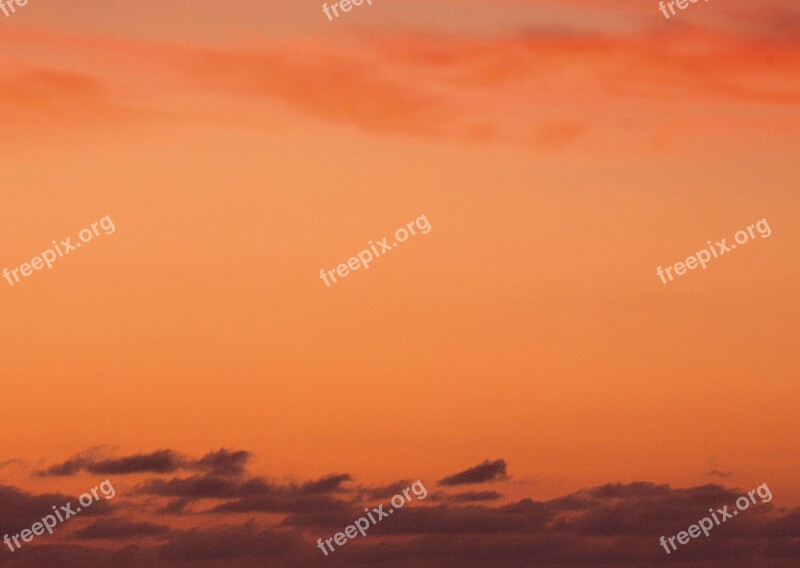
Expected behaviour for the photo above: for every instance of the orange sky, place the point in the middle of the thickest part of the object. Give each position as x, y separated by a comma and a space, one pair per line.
561, 154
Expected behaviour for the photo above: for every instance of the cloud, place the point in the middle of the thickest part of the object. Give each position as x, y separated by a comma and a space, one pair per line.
523, 516
250, 494
126, 557
611, 511
224, 516
786, 526
247, 540
160, 461
283, 501
20, 509
175, 507
205, 486
471, 496
112, 529
63, 556
550, 90
487, 471
384, 491
327, 484
68, 467
222, 462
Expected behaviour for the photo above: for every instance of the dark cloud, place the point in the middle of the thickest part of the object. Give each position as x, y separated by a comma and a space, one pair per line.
573, 502
615, 524
69, 467
119, 529
385, 491
205, 487
229, 543
785, 526
126, 557
284, 502
622, 491
524, 516
253, 494
174, 507
222, 462
471, 496
48, 556
487, 471
339, 515
160, 461
326, 484
20, 509
627, 509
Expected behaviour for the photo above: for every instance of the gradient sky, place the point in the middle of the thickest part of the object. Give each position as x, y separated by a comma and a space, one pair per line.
561, 152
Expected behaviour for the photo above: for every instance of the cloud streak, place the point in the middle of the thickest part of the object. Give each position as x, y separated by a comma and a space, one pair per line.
222, 462
482, 473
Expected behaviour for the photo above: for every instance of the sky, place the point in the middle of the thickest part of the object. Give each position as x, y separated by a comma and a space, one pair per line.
559, 153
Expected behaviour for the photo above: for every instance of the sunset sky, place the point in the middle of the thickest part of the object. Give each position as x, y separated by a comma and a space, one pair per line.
561, 150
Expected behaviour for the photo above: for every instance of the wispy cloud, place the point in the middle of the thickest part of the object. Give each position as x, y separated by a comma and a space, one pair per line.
718, 473
548, 90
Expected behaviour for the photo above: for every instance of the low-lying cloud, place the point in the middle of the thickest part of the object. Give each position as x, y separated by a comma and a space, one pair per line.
212, 512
